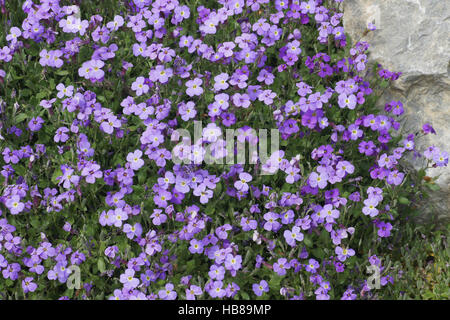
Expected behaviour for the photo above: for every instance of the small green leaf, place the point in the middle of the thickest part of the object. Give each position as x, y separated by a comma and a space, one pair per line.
403, 200
62, 72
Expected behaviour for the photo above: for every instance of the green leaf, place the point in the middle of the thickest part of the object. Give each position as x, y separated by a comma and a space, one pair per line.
101, 265
62, 72
55, 175
307, 241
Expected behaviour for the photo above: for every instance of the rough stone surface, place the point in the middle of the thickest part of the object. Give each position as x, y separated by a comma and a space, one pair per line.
413, 37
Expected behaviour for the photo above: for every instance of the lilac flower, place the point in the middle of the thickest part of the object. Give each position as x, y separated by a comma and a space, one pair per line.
271, 221
92, 70
370, 207
216, 290
347, 101
281, 266
241, 184
427, 128
11, 271
35, 124
161, 74
395, 177
194, 87
110, 123
91, 172
158, 217
61, 135
384, 229
167, 293
216, 272
134, 158
344, 253
349, 295
293, 236
260, 288
116, 23
132, 231
222, 231
14, 35
233, 262
128, 280
193, 291
140, 86
318, 180
196, 246
69, 178
220, 82
367, 148
312, 266
441, 158
10, 156
14, 205
267, 96
64, 91
248, 224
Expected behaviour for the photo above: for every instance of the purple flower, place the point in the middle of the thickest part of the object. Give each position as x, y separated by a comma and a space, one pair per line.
281, 266
233, 262
196, 246
134, 158
318, 180
221, 82
248, 224
10, 156
35, 124
161, 74
395, 177
91, 172
216, 272
194, 87
349, 295
14, 205
28, 285
293, 236
140, 86
222, 231
128, 280
347, 101
344, 253
193, 291
132, 231
271, 223
61, 135
267, 97
241, 184
11, 271
384, 229
367, 148
64, 91
116, 23
216, 290
167, 293
312, 266
370, 207
427, 128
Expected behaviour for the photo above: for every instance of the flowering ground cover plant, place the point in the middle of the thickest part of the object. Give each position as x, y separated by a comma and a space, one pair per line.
106, 195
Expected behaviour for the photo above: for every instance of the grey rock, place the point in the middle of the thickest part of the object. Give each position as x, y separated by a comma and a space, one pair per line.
412, 37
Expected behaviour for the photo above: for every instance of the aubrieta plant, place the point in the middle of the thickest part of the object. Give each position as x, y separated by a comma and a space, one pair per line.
94, 95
